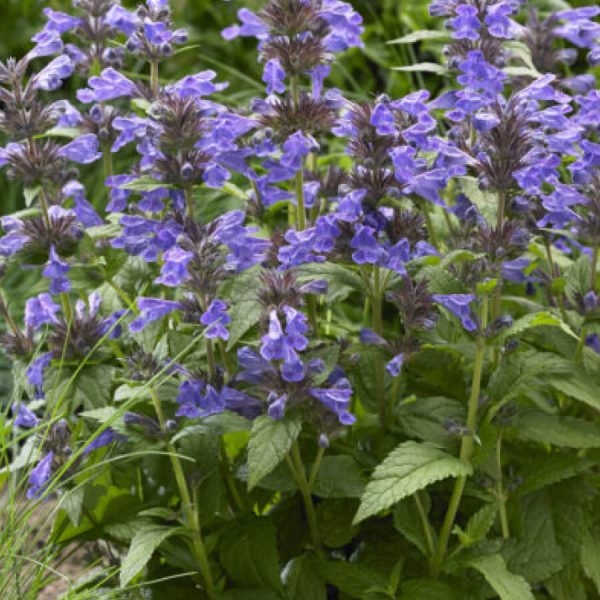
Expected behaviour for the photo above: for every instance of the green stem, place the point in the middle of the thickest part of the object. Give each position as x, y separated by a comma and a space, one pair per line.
188, 506
297, 467
466, 447
123, 295
189, 201
594, 268
501, 211
210, 358
154, 83
45, 215
500, 491
66, 304
581, 345
425, 523
314, 472
429, 225
226, 470
552, 273
300, 210
377, 323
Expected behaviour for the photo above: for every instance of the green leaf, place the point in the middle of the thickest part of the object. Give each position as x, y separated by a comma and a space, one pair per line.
249, 594
248, 552
142, 547
409, 468
527, 322
424, 67
339, 477
335, 521
419, 36
245, 308
578, 277
426, 589
577, 384
145, 184
506, 584
270, 441
30, 194
302, 581
590, 557
353, 579
568, 432
478, 526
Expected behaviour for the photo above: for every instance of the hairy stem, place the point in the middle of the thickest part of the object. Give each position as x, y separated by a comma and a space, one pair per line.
466, 447
594, 268
297, 467
377, 323
154, 83
188, 506
500, 491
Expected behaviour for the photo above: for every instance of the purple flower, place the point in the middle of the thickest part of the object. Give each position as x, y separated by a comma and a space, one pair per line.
152, 309
458, 305
40, 310
274, 77
47, 43
39, 476
35, 373
86, 214
466, 24
24, 416
83, 150
296, 148
382, 118
174, 270
55, 270
108, 436
196, 399
252, 26
216, 319
108, 86
368, 336
497, 21
397, 256
50, 78
478, 74
59, 21
336, 399
366, 248
121, 19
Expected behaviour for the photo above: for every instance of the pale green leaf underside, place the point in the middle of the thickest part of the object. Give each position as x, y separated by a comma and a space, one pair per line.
506, 584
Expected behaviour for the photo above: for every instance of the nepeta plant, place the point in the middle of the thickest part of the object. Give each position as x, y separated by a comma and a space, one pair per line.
314, 347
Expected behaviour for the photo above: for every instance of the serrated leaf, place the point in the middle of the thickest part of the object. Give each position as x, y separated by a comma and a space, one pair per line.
568, 432
506, 584
302, 581
409, 468
479, 525
339, 477
421, 35
249, 553
525, 323
590, 558
145, 184
577, 384
426, 589
353, 579
142, 547
424, 67
270, 441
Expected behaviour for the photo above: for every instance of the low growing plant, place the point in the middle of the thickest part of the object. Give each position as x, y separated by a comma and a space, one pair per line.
310, 347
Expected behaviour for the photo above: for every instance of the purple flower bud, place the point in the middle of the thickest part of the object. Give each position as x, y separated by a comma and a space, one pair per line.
368, 336
108, 436
35, 373
47, 43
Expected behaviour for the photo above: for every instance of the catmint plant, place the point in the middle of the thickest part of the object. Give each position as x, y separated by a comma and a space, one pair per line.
321, 344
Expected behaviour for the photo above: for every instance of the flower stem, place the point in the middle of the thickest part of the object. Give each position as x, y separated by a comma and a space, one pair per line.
500, 491
425, 523
466, 447
297, 467
377, 323
154, 83
594, 268
189, 201
189, 508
